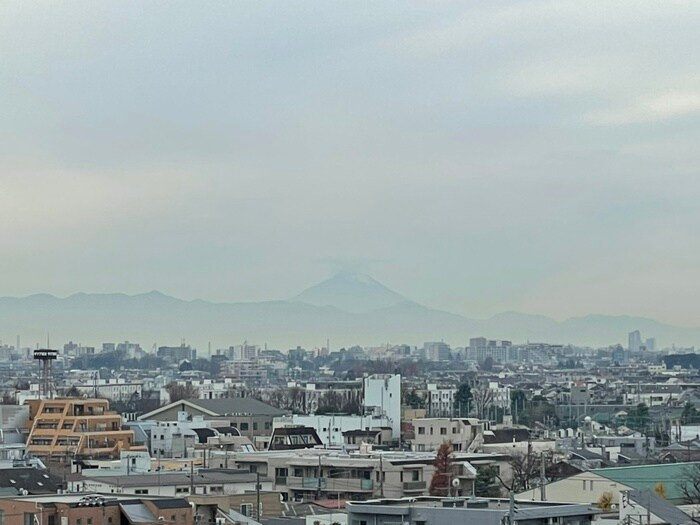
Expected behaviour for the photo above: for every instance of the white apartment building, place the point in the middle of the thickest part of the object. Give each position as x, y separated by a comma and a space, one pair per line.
382, 397
215, 389
441, 400
330, 427
113, 389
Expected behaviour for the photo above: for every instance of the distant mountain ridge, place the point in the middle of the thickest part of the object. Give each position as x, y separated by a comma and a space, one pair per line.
347, 308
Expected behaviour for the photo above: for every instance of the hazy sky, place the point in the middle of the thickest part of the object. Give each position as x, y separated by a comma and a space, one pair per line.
475, 156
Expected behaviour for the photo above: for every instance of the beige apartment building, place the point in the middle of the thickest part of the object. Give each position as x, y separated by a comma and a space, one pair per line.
465, 434
77, 428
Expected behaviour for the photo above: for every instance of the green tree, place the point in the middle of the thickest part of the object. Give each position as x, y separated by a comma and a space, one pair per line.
178, 392
463, 399
690, 414
73, 392
413, 399
638, 417
485, 484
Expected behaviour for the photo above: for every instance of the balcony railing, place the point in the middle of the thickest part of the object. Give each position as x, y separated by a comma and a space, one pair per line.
331, 484
414, 485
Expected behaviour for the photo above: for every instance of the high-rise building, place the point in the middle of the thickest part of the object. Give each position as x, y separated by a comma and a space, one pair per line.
650, 344
437, 351
382, 396
634, 341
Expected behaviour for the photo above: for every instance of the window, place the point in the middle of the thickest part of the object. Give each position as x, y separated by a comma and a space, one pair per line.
584, 484
89, 521
137, 491
267, 425
79, 521
110, 519
421, 430
416, 475
443, 431
244, 426
255, 425
247, 509
454, 430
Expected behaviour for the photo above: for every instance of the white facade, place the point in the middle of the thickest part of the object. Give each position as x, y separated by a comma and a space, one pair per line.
382, 396
330, 427
441, 400
114, 389
176, 438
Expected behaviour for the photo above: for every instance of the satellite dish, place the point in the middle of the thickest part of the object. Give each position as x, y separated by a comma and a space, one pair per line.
455, 483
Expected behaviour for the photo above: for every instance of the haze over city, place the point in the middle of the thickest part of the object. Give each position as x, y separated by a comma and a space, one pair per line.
531, 156
348, 263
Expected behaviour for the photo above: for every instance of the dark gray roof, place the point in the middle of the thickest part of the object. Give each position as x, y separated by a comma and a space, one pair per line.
33, 480
177, 478
237, 406
668, 512
171, 503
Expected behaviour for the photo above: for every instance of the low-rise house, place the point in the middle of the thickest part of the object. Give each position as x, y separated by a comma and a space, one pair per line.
591, 485
251, 417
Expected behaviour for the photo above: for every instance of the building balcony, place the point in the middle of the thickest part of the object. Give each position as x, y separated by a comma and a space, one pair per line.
411, 486
331, 484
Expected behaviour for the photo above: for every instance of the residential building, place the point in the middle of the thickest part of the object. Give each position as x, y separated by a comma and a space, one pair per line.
77, 428
382, 397
330, 427
174, 484
588, 487
303, 475
465, 434
438, 511
251, 417
441, 401
116, 389
176, 354
89, 509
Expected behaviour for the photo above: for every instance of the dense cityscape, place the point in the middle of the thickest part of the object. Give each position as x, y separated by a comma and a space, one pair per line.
252, 434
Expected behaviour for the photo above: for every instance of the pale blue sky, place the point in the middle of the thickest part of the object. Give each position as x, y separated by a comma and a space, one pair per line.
485, 156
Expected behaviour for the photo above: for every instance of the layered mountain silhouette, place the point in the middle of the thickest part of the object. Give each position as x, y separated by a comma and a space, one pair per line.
347, 308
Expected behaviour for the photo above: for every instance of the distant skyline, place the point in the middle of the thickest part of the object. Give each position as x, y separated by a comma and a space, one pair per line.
527, 156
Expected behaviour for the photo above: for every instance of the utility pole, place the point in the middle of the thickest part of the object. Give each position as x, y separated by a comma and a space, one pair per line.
192, 476
543, 482
257, 495
511, 507
381, 475
318, 479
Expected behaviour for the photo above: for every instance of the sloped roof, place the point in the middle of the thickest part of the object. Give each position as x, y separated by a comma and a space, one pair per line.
237, 405
668, 512
640, 477
137, 513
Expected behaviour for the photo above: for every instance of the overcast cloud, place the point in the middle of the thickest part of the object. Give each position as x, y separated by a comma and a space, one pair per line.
484, 156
